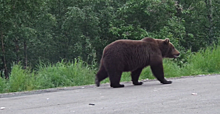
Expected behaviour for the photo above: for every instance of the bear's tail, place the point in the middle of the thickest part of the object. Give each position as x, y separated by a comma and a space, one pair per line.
101, 75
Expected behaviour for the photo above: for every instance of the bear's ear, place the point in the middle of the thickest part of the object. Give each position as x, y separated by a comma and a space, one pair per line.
166, 41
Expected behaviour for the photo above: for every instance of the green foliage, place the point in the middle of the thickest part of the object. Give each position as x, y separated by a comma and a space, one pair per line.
64, 74
20, 79
56, 30
78, 72
207, 60
3, 85
48, 76
67, 29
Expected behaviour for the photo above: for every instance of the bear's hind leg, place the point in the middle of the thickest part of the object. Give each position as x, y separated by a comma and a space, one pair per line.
101, 75
115, 78
159, 73
135, 76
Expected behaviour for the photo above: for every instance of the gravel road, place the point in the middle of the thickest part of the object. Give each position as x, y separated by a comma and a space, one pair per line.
189, 95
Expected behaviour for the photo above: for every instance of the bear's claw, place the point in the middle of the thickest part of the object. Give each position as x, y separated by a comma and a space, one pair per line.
117, 86
166, 82
137, 83
97, 82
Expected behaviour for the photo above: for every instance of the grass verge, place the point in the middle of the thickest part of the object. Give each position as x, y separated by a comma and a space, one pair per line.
78, 73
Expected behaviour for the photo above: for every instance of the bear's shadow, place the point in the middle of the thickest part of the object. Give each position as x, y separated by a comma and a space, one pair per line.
146, 84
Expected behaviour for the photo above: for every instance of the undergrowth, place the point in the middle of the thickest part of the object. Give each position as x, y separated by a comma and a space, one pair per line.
78, 73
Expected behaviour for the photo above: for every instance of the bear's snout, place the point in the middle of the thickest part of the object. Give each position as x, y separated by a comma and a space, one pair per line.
176, 54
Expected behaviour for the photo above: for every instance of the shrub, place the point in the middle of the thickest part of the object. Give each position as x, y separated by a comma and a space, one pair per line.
64, 74
20, 79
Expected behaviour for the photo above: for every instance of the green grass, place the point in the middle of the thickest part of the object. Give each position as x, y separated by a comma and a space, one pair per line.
20, 79
64, 74
78, 73
3, 86
61, 74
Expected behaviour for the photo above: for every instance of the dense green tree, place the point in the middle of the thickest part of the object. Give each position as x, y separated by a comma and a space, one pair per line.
52, 30
18, 28
201, 22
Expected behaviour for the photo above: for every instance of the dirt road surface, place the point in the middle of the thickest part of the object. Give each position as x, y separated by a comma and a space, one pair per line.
190, 95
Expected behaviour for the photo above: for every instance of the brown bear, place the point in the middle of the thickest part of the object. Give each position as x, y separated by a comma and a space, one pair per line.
134, 55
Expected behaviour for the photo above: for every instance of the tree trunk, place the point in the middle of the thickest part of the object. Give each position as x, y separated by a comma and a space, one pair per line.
17, 50
3, 58
25, 54
210, 18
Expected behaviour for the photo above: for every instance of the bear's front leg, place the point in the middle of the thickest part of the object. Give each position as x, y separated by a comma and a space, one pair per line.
115, 78
135, 76
157, 70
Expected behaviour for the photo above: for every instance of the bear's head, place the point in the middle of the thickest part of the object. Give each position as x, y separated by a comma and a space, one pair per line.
167, 49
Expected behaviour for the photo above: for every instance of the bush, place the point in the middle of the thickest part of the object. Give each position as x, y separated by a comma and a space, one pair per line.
206, 60
2, 85
80, 73
20, 79
64, 74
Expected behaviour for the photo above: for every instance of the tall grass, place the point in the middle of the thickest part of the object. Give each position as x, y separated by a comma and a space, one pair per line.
20, 79
64, 74
3, 86
48, 76
208, 61
79, 73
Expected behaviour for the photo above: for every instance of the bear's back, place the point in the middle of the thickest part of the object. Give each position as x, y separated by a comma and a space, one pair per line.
130, 53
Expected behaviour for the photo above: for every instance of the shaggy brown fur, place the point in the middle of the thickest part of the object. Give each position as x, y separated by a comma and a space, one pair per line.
133, 55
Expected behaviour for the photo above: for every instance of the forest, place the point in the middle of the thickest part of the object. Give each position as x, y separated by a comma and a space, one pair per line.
35, 33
